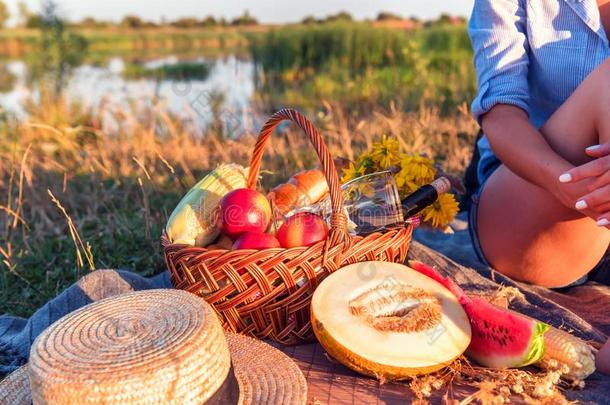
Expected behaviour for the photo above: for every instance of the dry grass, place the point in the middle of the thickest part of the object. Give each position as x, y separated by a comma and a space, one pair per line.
487, 386
93, 189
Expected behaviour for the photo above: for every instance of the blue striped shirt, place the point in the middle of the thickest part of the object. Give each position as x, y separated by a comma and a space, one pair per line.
532, 54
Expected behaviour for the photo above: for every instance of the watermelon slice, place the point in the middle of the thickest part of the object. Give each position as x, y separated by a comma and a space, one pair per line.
500, 337
445, 281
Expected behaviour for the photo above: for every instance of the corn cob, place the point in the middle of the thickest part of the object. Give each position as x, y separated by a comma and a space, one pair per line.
567, 354
193, 221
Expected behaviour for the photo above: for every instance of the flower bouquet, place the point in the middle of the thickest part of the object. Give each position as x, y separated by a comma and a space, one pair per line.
411, 171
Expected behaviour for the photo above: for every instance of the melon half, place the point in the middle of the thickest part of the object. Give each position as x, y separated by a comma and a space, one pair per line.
388, 321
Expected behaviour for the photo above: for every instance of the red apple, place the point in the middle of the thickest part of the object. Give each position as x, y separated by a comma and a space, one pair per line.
302, 229
256, 240
244, 210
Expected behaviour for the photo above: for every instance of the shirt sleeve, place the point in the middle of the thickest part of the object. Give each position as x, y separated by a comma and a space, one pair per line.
497, 30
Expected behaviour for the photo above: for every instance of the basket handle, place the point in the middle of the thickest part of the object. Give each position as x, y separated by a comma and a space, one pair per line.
338, 221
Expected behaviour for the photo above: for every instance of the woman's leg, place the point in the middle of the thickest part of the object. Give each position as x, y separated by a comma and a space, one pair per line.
525, 232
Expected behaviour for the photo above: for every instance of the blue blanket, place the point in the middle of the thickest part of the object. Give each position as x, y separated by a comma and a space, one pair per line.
18, 334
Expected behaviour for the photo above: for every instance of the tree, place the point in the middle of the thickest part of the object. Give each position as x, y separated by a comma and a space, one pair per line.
185, 22
309, 20
386, 15
444, 19
131, 21
59, 49
340, 16
245, 19
90, 22
135, 22
209, 21
4, 14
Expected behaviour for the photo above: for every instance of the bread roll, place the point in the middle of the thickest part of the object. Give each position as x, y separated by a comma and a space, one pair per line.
284, 197
312, 183
303, 189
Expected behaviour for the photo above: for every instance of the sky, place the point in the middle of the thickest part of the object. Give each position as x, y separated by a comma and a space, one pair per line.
267, 11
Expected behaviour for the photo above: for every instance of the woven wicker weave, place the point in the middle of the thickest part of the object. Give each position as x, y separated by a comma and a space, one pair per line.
266, 293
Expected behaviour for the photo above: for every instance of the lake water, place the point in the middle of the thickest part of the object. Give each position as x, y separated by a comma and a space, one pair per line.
230, 83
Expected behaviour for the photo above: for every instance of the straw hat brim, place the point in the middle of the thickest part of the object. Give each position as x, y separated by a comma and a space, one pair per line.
265, 376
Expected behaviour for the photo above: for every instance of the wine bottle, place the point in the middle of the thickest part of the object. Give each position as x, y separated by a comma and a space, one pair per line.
371, 202
424, 196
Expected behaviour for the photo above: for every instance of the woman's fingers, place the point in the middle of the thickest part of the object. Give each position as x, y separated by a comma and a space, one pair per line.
594, 168
599, 182
604, 220
594, 200
598, 150
600, 210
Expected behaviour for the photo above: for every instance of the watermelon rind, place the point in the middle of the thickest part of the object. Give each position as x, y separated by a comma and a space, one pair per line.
537, 347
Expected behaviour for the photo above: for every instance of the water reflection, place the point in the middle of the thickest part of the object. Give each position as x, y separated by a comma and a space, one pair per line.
228, 86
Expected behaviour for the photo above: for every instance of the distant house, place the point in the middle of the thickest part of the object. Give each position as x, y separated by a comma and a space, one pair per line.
406, 24
456, 20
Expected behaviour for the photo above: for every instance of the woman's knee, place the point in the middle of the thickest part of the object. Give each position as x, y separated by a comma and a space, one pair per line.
542, 242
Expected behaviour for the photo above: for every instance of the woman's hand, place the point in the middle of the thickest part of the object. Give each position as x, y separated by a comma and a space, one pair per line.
570, 193
595, 202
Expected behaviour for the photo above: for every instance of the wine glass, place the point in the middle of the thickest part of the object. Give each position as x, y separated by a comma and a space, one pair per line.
371, 203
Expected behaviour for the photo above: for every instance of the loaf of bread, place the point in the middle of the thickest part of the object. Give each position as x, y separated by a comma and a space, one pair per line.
303, 189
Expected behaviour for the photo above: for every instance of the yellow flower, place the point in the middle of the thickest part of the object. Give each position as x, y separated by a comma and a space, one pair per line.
415, 171
351, 172
385, 153
441, 212
363, 165
367, 163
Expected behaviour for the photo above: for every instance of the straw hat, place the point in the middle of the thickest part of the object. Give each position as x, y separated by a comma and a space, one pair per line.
154, 346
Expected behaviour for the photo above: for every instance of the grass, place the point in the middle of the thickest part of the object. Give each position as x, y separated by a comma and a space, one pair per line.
82, 189
178, 71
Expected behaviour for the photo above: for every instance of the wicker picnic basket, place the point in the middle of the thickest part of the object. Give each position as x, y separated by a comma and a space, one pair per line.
267, 293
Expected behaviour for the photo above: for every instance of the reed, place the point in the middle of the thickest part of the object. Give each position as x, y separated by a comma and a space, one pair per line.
365, 66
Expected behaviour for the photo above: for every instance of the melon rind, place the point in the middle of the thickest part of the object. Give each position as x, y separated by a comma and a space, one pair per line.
355, 354
359, 364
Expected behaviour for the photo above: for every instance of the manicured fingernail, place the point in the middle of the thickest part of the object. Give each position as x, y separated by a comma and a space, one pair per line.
603, 222
592, 148
565, 178
581, 205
